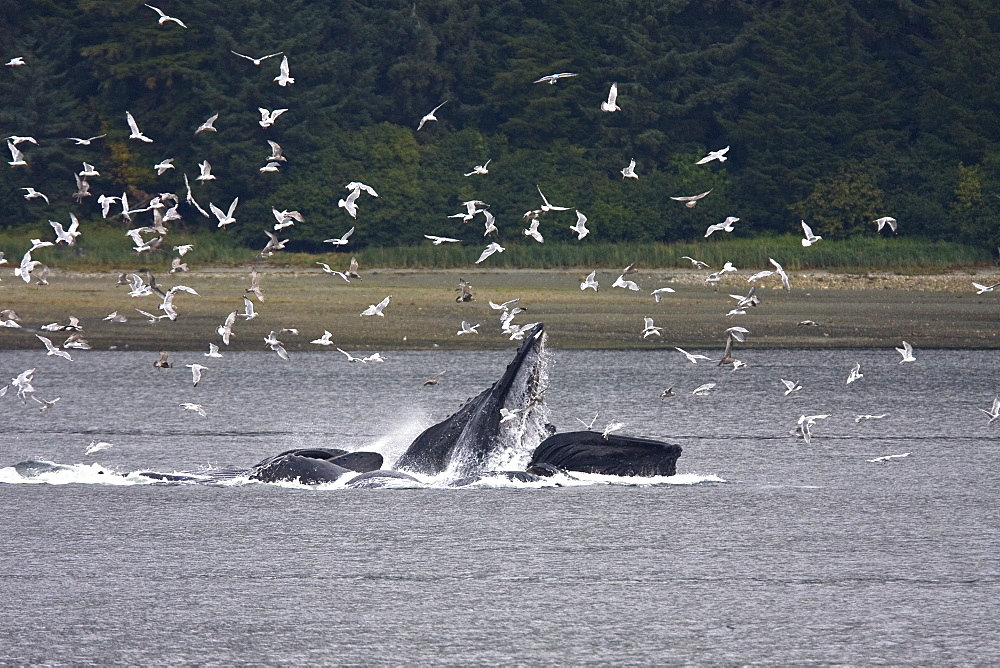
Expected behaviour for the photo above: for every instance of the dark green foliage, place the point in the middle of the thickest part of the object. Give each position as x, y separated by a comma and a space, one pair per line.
837, 111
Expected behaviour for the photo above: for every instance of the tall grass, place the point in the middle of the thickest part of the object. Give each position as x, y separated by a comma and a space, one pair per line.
102, 248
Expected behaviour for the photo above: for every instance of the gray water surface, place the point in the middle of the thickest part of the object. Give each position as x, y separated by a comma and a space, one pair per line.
762, 550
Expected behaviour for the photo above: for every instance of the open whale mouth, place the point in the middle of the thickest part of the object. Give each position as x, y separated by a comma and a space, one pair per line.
494, 429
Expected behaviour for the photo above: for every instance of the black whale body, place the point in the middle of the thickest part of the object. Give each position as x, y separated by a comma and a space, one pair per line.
312, 466
591, 452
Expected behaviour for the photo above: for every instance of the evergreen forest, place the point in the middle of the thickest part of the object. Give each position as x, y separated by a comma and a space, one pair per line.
836, 112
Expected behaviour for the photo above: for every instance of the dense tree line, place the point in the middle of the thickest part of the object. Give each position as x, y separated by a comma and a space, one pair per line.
837, 111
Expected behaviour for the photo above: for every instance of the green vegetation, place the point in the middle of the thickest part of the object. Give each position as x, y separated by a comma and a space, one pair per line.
104, 248
837, 111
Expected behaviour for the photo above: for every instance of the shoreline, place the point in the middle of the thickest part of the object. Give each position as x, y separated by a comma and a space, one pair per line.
875, 309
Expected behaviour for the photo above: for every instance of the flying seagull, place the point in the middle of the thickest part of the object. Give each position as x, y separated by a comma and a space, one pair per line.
283, 79
629, 171
590, 282
437, 241
885, 220
810, 237
612, 103
208, 126
907, 352
136, 134
724, 226
552, 78
855, 374
980, 289
164, 18
581, 226
994, 412
490, 250
693, 358
480, 169
376, 309
430, 116
690, 201
196, 370
268, 116
80, 141
257, 61
719, 155
342, 240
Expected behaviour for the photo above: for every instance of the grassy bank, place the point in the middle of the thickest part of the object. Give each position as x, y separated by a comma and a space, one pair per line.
105, 248
870, 310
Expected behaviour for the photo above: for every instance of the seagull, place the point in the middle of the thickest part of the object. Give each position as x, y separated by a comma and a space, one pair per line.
430, 116
225, 330
196, 370
612, 103
719, 155
135, 129
45, 405
506, 415
17, 158
164, 361
272, 342
206, 172
610, 427
503, 306
581, 226
16, 61
325, 340
357, 185
703, 390
994, 412
286, 218
659, 292
907, 352
97, 446
82, 188
738, 333
480, 169
52, 350
887, 458
649, 329
376, 309
790, 386
490, 250
66, 236
980, 289
176, 266
267, 117
552, 78
348, 204
620, 282
807, 323
276, 152
724, 226
271, 167
350, 357
805, 423
629, 171
182, 250
79, 141
255, 284
248, 311
859, 418
669, 392
885, 220
433, 380
716, 276
257, 61
692, 358
374, 357
464, 290
780, 272
590, 282
224, 217
283, 79
273, 244
490, 222
207, 125
532, 231
164, 18
197, 408
546, 207
88, 170
588, 425
437, 241
690, 201
163, 166
468, 329
340, 241
189, 198
352, 269
31, 193
750, 299
213, 351
328, 270
698, 264
810, 237
855, 374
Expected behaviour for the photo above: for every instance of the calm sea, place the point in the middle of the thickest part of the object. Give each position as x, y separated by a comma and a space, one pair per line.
762, 550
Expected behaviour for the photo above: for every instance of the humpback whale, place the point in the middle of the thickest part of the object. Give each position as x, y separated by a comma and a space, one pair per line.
471, 444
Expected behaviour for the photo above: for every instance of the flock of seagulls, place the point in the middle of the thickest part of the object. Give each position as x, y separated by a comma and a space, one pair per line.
164, 208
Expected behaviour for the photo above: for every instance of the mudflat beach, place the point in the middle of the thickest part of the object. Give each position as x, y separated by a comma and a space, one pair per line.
851, 310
